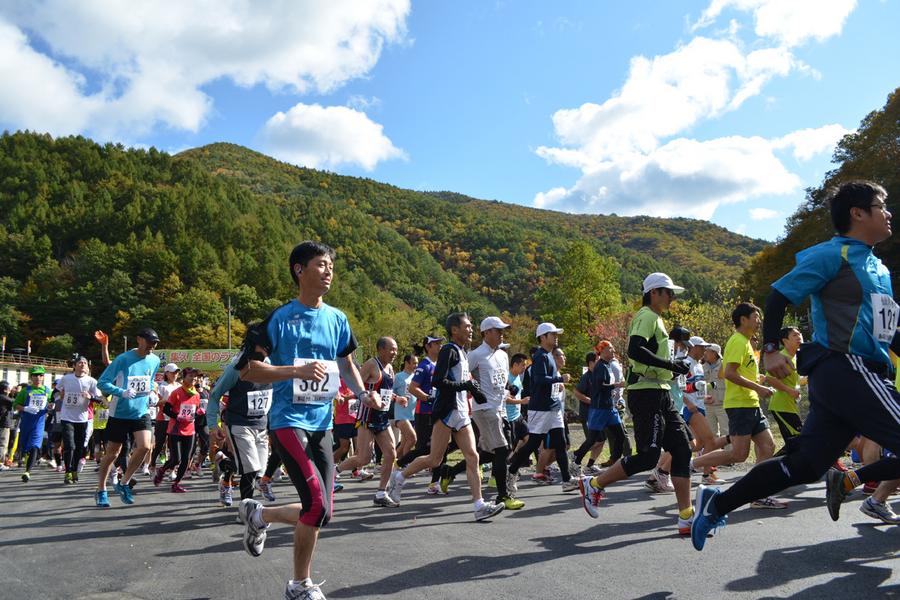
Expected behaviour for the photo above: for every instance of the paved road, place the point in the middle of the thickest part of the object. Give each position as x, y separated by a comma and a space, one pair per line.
55, 544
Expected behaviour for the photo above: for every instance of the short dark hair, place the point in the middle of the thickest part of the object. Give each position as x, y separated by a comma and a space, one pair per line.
744, 309
534, 350
408, 358
305, 252
786, 331
645, 299
518, 358
382, 342
590, 357
853, 194
454, 320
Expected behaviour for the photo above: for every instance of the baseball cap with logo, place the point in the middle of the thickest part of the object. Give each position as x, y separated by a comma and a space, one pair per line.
696, 340
547, 328
493, 323
654, 281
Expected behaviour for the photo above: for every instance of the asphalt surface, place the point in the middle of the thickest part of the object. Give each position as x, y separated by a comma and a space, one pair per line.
55, 544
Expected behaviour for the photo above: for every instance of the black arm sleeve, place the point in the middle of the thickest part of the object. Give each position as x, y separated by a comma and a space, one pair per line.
638, 350
168, 409
447, 359
776, 304
352, 345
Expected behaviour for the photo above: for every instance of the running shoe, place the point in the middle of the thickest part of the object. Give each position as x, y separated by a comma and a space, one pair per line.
61, 469
302, 592
158, 478
492, 482
363, 475
510, 503
570, 485
591, 495
145, 470
446, 479
81, 462
711, 479
254, 537
226, 495
384, 501
512, 483
69, 479
337, 487
102, 499
665, 481
834, 493
488, 510
654, 486
684, 526
542, 479
132, 482
768, 502
177, 488
75, 476
395, 488
592, 470
264, 485
434, 489
706, 521
879, 510
125, 493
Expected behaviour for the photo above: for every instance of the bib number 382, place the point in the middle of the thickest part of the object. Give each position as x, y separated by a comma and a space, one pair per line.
317, 392
884, 317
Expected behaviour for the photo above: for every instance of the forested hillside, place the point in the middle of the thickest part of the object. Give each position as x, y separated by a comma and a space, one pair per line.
872, 152
100, 236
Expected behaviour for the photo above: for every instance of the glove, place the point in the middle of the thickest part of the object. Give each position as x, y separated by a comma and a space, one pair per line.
128, 394
679, 367
479, 396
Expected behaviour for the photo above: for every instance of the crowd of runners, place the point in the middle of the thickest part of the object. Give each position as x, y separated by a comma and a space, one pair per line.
294, 403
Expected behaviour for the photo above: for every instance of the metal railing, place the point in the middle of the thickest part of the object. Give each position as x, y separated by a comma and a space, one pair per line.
29, 360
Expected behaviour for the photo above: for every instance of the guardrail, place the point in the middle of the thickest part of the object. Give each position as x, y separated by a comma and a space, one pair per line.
28, 360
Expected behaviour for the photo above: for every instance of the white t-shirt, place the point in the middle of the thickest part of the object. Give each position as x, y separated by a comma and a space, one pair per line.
164, 390
615, 369
491, 369
695, 383
71, 394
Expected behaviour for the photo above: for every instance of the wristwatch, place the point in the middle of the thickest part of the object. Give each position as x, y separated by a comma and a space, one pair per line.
770, 347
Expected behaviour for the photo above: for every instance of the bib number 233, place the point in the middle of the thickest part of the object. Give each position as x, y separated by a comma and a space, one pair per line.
317, 392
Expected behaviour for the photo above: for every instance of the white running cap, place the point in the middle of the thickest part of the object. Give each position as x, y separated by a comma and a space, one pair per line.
547, 328
171, 368
493, 323
716, 348
655, 281
696, 340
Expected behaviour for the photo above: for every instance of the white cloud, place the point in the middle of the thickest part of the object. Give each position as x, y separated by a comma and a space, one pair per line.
634, 149
788, 22
153, 59
314, 136
763, 214
807, 143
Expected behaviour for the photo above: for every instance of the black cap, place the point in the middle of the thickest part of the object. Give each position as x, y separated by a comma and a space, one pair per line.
148, 334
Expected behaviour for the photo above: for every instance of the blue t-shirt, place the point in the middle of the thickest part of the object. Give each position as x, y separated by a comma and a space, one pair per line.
298, 331
129, 371
844, 278
514, 411
422, 376
401, 388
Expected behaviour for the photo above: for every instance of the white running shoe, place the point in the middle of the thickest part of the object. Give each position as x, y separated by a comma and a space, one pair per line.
879, 510
394, 489
310, 592
254, 537
570, 485
488, 510
512, 484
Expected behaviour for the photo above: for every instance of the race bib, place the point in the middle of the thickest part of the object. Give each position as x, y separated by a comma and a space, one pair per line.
884, 317
102, 415
186, 412
353, 407
498, 379
139, 384
258, 403
387, 396
37, 402
152, 412
72, 399
317, 392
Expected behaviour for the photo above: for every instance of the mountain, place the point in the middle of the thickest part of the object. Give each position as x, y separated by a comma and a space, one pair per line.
502, 251
102, 236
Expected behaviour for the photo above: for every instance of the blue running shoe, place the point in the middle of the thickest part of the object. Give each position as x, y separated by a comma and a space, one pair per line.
102, 499
706, 521
125, 492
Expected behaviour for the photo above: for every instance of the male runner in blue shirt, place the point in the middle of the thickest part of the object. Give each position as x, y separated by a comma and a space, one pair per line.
855, 323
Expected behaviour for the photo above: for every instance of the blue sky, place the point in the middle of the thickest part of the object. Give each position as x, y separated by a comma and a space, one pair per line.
722, 110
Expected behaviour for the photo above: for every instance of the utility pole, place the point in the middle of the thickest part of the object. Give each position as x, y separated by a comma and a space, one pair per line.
125, 349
